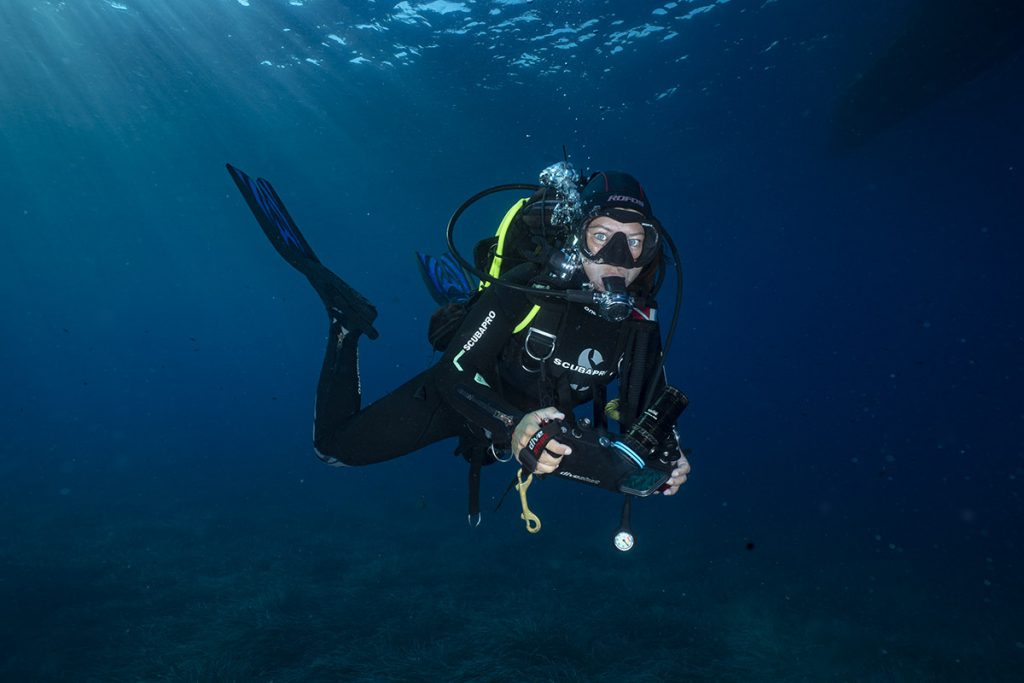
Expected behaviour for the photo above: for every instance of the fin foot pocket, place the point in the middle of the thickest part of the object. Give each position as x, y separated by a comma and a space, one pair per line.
352, 309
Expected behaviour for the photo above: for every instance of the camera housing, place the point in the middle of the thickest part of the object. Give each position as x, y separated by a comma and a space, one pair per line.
638, 462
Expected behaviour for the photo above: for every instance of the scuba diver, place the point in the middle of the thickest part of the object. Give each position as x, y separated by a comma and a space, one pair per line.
565, 305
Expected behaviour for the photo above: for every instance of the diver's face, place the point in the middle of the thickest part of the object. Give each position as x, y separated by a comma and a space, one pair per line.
599, 233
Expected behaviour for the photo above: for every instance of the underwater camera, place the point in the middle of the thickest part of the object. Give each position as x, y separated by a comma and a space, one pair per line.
638, 462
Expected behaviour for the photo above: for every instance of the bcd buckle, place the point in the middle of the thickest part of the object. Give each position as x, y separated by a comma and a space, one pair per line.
544, 343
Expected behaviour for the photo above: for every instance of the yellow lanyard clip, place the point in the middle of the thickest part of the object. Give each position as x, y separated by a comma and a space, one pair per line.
532, 520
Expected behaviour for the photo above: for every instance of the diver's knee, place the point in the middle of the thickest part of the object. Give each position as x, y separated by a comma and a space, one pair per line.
336, 457
329, 460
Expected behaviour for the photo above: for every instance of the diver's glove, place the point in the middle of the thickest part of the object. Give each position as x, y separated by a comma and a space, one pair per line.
537, 445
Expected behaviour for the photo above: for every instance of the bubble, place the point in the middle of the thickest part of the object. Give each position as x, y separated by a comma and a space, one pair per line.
564, 179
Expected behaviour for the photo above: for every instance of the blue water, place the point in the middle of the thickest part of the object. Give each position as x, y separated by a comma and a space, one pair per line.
851, 342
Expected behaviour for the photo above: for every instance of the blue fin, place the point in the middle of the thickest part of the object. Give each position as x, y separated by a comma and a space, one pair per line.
446, 281
274, 218
356, 312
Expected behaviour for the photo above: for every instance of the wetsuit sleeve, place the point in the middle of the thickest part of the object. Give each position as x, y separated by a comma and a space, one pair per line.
466, 374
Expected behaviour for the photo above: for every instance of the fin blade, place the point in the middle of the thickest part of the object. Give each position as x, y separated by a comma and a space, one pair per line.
284, 234
445, 279
274, 219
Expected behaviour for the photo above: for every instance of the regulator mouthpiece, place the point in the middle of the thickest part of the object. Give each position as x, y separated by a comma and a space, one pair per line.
614, 303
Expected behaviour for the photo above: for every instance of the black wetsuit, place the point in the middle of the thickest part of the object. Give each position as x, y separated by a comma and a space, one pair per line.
485, 382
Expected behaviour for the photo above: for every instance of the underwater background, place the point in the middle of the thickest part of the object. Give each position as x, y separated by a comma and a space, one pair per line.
843, 180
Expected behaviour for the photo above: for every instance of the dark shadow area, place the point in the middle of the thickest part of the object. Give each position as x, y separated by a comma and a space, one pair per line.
945, 44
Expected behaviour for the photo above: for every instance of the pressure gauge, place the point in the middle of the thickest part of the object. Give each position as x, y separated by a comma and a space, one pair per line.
624, 541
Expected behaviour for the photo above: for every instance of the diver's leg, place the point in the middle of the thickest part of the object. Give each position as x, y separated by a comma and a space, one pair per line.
338, 389
400, 422
405, 420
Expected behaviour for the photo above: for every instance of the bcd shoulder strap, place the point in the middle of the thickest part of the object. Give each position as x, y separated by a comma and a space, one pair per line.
637, 347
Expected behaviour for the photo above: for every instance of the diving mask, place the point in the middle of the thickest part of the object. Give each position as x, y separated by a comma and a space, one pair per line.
616, 247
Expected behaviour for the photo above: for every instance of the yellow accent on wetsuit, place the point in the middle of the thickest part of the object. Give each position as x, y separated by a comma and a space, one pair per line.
495, 269
527, 320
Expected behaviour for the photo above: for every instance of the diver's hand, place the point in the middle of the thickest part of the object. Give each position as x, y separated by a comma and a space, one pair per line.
680, 469
530, 425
